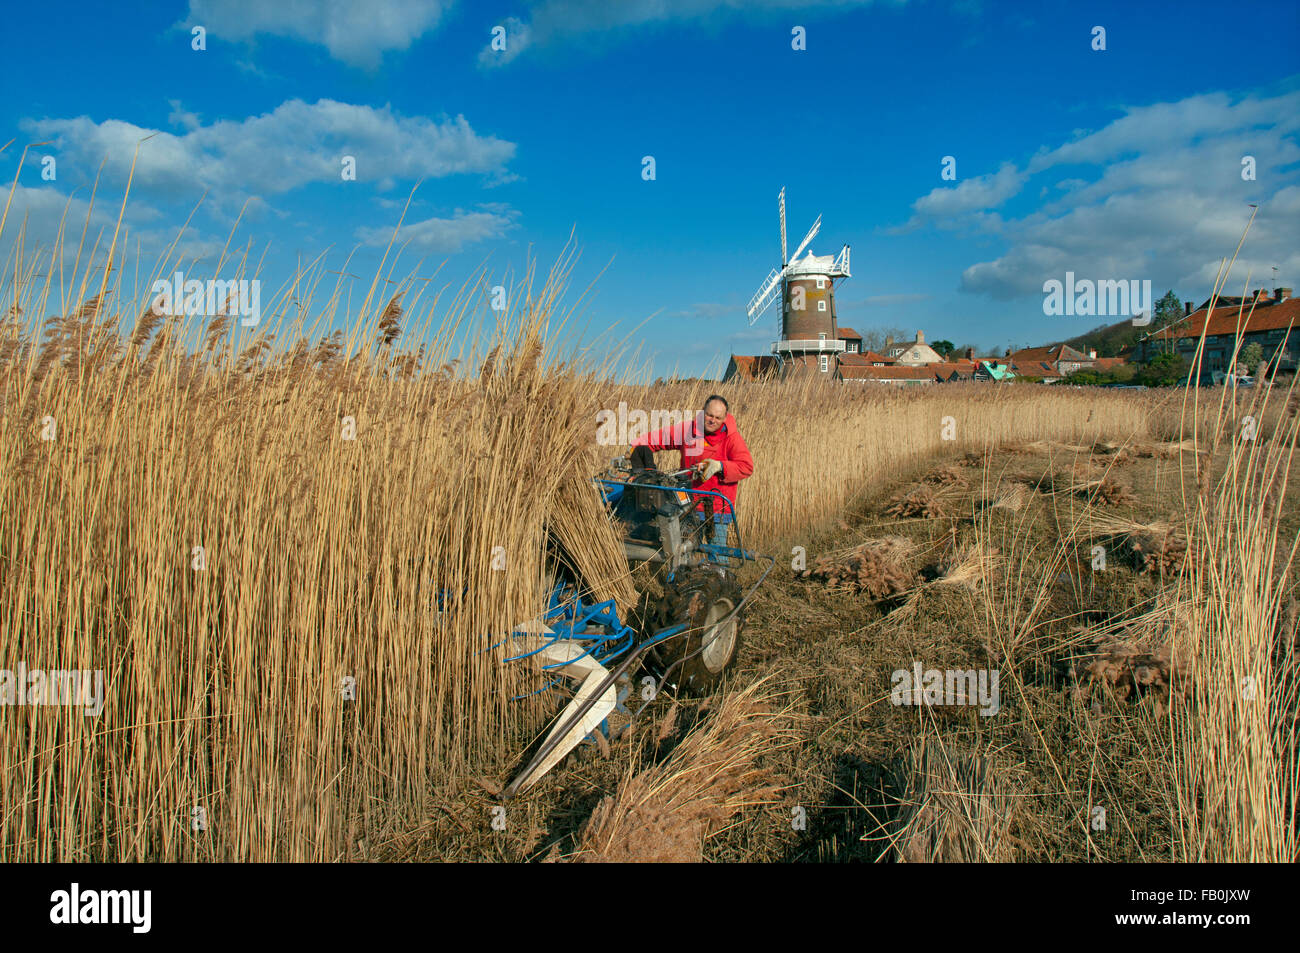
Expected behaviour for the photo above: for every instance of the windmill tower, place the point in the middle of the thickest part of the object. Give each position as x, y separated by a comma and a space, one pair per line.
808, 335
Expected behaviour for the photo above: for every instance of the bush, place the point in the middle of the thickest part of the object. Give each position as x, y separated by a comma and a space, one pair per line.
1164, 370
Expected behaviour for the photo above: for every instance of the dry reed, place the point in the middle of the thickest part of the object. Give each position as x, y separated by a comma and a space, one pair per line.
665, 812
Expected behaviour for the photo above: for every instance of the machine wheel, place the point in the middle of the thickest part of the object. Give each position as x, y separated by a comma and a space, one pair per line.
700, 598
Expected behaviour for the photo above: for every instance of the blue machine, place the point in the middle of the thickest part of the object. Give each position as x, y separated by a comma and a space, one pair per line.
694, 636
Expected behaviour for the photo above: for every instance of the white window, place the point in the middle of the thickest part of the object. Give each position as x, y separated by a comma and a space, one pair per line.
821, 282
826, 363
821, 336
853, 347
821, 305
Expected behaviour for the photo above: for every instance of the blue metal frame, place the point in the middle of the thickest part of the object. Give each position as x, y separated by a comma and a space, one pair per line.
615, 492
570, 618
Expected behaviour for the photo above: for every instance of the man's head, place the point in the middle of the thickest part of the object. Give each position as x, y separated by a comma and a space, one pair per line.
715, 414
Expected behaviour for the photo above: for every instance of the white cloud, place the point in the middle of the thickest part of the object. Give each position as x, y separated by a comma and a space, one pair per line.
518, 37
552, 20
37, 214
295, 144
41, 210
358, 32
447, 235
1156, 194
181, 117
1168, 124
970, 195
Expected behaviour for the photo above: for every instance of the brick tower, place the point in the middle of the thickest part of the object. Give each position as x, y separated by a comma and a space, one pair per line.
809, 337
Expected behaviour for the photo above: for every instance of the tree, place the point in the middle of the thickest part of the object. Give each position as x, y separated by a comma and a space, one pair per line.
1250, 356
1087, 377
1167, 310
1119, 374
874, 338
943, 347
1164, 370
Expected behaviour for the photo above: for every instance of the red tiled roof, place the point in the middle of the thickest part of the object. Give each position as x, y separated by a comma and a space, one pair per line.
945, 369
892, 373
752, 366
863, 359
849, 333
1266, 317
1105, 363
1031, 355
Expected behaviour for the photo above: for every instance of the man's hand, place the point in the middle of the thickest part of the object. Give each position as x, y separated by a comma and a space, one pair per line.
707, 468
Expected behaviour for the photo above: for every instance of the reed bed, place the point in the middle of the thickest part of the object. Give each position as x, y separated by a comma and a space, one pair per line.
952, 807
819, 447
1236, 761
295, 551
665, 812
294, 558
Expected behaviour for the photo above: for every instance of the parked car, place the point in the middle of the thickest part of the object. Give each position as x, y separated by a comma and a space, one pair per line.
1223, 378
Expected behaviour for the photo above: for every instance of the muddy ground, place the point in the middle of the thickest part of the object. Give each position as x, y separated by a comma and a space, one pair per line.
1055, 756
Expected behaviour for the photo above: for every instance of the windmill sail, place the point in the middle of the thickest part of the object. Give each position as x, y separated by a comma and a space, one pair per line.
781, 203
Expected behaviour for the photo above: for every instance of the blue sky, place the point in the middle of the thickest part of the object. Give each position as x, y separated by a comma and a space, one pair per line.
1115, 163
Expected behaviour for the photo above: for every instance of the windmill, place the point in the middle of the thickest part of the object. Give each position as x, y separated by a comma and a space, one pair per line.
806, 328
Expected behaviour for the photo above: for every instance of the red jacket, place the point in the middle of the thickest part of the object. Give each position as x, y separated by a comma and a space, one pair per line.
694, 445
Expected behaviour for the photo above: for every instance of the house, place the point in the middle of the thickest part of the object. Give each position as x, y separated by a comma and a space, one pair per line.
946, 372
907, 363
750, 368
895, 374
1274, 324
913, 353
865, 359
1051, 363
852, 340
990, 369
824, 357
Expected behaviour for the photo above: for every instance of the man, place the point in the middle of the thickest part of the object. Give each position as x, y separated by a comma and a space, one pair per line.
718, 456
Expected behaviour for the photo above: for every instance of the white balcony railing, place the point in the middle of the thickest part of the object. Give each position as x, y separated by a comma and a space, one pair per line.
806, 344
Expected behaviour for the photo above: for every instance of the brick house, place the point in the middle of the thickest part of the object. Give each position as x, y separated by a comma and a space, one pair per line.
1053, 362
852, 340
750, 368
897, 375
1274, 324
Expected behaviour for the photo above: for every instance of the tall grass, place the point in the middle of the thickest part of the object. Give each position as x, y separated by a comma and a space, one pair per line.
818, 446
1236, 763
231, 529
231, 523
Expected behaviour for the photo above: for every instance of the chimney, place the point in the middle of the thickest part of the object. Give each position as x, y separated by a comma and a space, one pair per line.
1092, 355
1261, 294
1281, 294
889, 340
1187, 305
970, 354
920, 337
